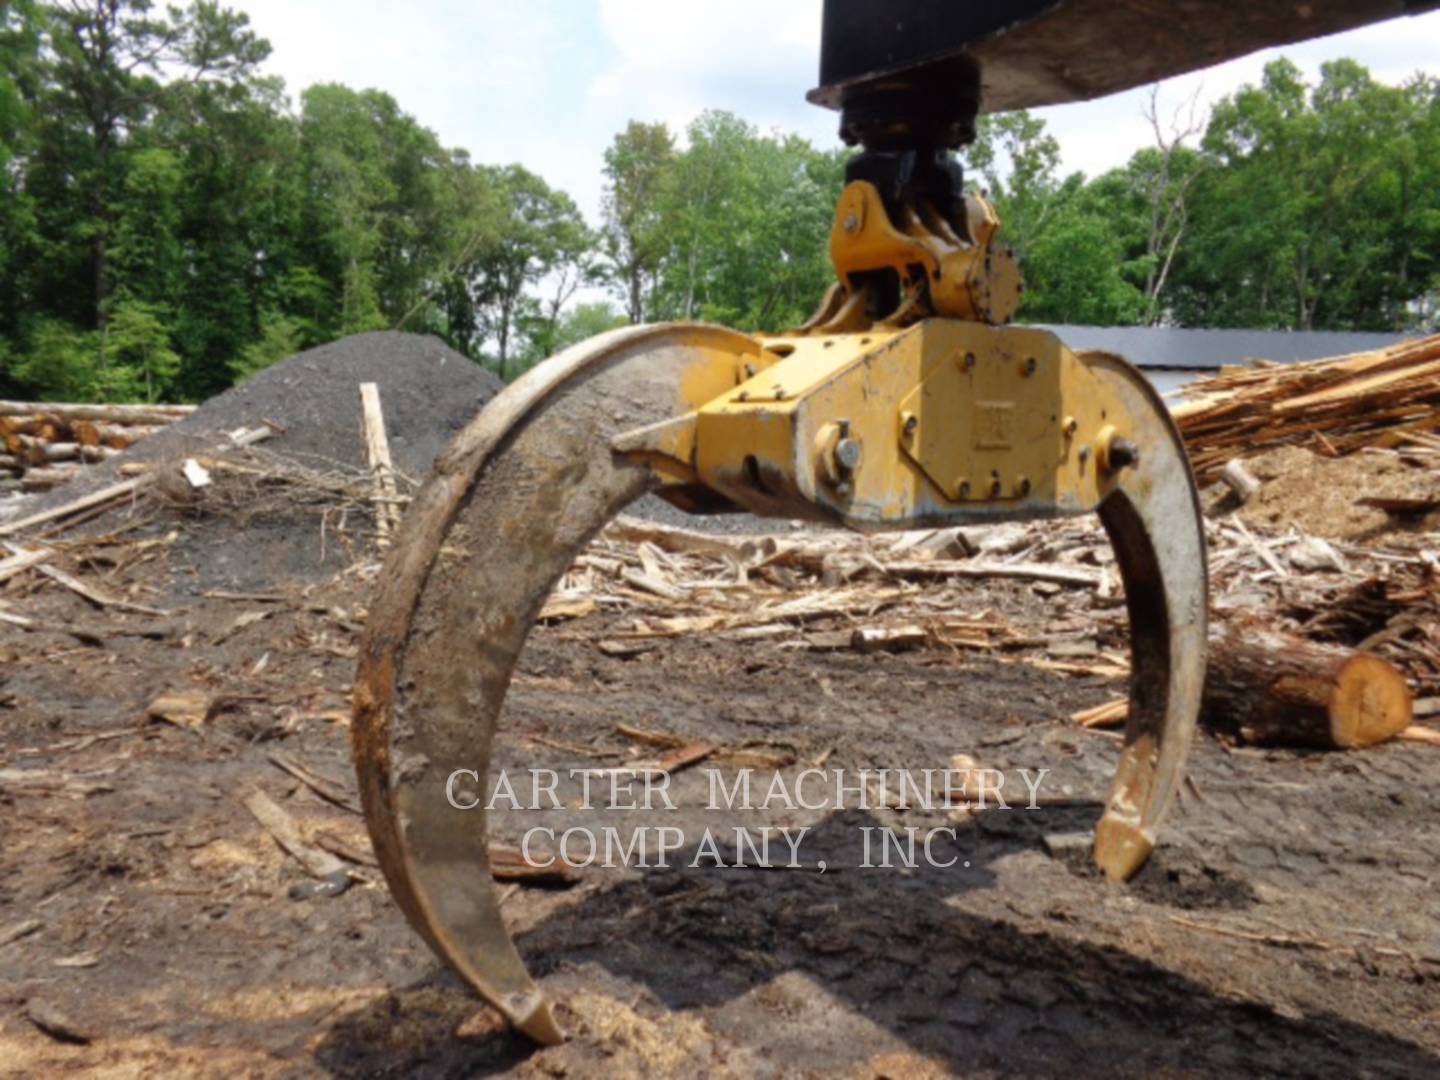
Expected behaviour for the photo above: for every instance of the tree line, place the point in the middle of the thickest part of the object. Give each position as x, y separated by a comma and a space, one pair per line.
170, 221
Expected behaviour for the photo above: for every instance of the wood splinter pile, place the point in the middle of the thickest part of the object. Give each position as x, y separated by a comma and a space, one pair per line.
1286, 665
44, 444
1380, 399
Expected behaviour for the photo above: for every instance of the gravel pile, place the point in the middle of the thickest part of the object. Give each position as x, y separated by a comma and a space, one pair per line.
427, 390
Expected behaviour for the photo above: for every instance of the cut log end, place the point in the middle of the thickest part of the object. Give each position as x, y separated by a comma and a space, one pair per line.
1371, 703
1273, 689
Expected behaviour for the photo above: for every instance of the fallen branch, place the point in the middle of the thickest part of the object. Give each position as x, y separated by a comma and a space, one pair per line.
36, 626
17, 564
19, 930
327, 789
99, 599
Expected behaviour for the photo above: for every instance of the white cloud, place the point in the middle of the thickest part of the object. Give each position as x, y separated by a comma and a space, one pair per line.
549, 82
670, 61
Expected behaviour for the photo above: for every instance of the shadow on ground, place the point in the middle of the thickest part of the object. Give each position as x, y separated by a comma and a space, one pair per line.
875, 950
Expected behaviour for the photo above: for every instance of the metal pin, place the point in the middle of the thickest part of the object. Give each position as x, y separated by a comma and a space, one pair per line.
1122, 453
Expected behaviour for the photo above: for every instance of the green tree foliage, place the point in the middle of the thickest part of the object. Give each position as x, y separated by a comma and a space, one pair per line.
540, 239
1321, 208
749, 218
637, 226
280, 336
582, 321
1303, 207
19, 57
171, 221
1075, 263
1019, 163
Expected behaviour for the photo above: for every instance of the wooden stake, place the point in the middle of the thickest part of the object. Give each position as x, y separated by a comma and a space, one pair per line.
377, 447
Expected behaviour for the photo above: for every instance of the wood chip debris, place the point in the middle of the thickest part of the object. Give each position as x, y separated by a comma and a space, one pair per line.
282, 828
56, 1022
908, 591
19, 930
188, 709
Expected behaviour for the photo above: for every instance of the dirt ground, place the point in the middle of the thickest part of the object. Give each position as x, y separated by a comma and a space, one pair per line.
1287, 926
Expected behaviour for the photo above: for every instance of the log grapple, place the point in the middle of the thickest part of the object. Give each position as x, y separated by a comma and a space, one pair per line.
906, 400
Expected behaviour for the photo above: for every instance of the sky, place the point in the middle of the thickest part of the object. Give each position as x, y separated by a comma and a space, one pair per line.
548, 83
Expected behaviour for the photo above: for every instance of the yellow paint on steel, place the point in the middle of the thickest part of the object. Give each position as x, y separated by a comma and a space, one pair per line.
974, 277
945, 418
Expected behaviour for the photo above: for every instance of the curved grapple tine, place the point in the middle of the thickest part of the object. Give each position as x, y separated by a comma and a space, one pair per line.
1155, 527
510, 504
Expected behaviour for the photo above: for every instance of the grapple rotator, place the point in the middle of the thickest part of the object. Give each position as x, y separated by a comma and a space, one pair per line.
906, 400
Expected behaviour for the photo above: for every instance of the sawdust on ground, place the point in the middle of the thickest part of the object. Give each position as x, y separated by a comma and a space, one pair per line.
1321, 496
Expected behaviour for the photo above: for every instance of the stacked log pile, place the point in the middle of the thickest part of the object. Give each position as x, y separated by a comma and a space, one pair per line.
1380, 399
45, 444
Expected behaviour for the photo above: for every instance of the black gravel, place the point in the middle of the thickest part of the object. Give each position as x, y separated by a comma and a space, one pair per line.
427, 390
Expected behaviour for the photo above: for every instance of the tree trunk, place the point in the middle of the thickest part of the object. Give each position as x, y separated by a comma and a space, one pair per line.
637, 291
1269, 688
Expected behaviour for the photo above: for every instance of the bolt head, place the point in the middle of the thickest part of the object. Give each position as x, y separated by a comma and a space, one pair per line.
910, 423
1122, 453
847, 455
851, 223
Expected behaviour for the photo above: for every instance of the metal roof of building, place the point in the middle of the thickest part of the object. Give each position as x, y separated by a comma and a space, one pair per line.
1206, 350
